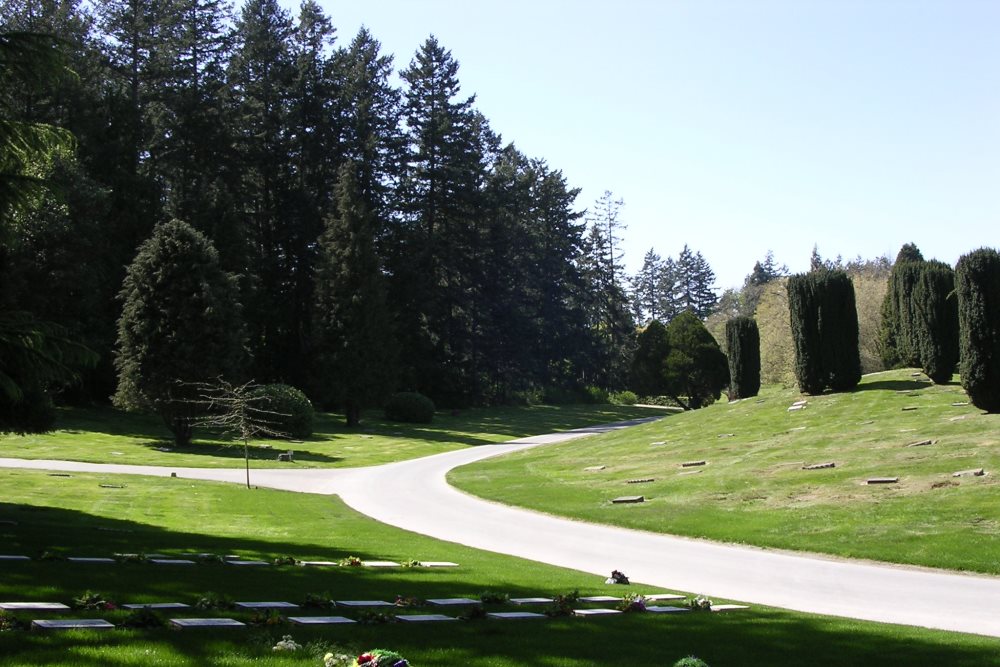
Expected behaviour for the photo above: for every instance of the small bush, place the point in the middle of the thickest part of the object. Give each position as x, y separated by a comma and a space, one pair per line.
293, 413
595, 395
690, 661
409, 406
624, 398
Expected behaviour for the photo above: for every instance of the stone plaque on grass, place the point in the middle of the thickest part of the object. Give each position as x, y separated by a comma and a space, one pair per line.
206, 623
13, 557
359, 604
975, 472
663, 597
599, 598
318, 563
641, 480
628, 499
437, 563
883, 480
514, 614
922, 443
531, 600
666, 610
247, 563
379, 563
728, 607
163, 606
452, 602
595, 468
320, 620
172, 561
266, 605
90, 561
595, 612
424, 618
693, 464
820, 466
74, 624
33, 606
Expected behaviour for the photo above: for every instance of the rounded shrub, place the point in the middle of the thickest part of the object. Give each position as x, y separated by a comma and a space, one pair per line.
409, 406
292, 413
690, 661
624, 398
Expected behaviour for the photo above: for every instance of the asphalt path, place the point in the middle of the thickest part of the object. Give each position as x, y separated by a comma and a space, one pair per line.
415, 495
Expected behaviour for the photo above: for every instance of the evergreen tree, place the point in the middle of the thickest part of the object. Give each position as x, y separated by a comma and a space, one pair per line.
977, 284
743, 352
434, 252
936, 320
899, 344
652, 347
695, 367
180, 324
355, 346
824, 325
693, 289
647, 296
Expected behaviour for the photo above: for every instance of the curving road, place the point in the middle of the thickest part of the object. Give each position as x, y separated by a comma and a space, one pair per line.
415, 496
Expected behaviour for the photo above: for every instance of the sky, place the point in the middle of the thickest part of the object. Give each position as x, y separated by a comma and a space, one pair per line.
738, 127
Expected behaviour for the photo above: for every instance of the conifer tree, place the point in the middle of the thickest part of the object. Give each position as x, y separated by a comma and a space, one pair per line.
936, 320
695, 370
694, 280
647, 373
355, 346
743, 352
899, 344
824, 324
180, 324
977, 284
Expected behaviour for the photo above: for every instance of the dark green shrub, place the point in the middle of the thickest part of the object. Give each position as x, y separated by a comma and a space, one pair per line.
652, 347
624, 398
409, 406
292, 412
696, 367
977, 284
595, 395
936, 320
743, 351
899, 342
824, 321
690, 661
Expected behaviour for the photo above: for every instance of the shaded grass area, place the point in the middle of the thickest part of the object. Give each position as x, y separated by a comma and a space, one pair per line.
105, 435
76, 515
753, 488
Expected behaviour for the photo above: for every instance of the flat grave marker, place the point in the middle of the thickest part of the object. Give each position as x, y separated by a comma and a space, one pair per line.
206, 623
379, 563
959, 404
172, 561
531, 601
628, 499
908, 408
364, 603
599, 598
975, 472
452, 602
90, 561
33, 606
514, 614
266, 605
424, 618
14, 557
437, 563
643, 480
318, 563
594, 468
693, 464
728, 607
320, 620
156, 605
883, 480
922, 443
595, 612
74, 624
820, 466
247, 563
666, 610
663, 597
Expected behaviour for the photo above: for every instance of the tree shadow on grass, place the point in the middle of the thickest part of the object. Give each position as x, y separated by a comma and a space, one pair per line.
893, 385
235, 452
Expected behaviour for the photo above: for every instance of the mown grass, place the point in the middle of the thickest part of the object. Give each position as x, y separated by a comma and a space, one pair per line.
75, 515
753, 488
104, 435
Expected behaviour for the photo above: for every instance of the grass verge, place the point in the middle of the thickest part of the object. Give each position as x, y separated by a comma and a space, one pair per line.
753, 488
75, 515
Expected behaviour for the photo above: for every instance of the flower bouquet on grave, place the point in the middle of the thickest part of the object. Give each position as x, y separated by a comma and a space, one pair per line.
350, 561
380, 658
617, 578
700, 603
632, 602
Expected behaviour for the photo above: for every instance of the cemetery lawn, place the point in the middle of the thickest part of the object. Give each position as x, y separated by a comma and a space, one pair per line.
74, 515
105, 435
753, 489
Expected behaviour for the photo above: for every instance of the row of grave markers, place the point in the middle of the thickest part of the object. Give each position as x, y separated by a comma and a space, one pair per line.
160, 559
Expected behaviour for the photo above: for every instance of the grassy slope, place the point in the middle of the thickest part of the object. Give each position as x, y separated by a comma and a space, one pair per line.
754, 490
103, 435
76, 515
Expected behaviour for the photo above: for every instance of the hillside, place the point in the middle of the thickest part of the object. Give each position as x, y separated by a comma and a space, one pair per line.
753, 488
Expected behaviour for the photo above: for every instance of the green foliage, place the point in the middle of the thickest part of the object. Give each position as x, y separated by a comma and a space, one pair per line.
595, 395
690, 661
180, 325
743, 351
824, 321
290, 411
695, 367
623, 398
652, 348
410, 406
977, 283
936, 320
899, 340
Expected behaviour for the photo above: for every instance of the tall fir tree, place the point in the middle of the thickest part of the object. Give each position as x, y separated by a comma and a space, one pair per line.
355, 347
694, 286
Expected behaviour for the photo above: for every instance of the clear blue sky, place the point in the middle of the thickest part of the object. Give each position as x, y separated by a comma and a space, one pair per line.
740, 126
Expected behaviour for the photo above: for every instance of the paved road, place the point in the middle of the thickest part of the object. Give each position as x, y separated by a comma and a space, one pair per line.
414, 495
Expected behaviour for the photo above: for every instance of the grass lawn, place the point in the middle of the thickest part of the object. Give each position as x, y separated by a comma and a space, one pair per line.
753, 488
104, 435
75, 515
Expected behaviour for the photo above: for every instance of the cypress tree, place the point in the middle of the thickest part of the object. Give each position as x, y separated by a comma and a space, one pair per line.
899, 344
977, 284
936, 322
824, 324
743, 350
180, 324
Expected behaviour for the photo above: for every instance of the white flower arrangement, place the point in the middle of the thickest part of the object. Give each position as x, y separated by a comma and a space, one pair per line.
287, 644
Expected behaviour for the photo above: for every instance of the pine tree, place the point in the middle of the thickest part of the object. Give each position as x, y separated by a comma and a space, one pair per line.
695, 368
693, 290
646, 296
977, 284
743, 352
355, 348
180, 324
936, 320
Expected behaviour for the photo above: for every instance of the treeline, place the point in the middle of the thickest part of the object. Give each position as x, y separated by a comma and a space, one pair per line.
372, 229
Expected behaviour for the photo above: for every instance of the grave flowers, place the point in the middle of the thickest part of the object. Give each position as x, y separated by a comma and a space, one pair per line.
617, 578
700, 603
375, 658
632, 603
286, 644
